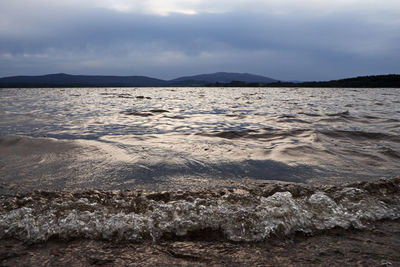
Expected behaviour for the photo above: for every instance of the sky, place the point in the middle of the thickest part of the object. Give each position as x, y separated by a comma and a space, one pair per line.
282, 39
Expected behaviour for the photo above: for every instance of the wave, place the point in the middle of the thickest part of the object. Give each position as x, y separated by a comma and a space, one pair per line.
284, 133
256, 134
361, 135
245, 214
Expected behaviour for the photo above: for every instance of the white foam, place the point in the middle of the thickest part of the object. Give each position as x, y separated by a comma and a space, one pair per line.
238, 217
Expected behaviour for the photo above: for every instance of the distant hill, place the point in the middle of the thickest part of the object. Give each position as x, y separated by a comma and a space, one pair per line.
377, 81
66, 80
219, 79
222, 77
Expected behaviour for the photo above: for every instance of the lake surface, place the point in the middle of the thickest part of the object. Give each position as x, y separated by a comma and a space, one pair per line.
224, 155
162, 138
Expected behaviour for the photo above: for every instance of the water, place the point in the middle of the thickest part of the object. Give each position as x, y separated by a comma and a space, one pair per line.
237, 215
119, 137
226, 156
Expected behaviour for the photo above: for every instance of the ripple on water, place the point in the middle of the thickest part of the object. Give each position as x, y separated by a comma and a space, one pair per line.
335, 132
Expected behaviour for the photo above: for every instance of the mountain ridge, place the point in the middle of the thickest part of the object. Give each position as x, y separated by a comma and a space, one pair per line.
62, 79
372, 81
226, 77
218, 79
68, 80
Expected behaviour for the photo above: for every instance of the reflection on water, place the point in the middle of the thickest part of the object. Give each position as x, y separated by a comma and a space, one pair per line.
117, 136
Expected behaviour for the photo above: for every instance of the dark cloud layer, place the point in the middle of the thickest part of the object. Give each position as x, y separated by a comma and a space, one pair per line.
100, 41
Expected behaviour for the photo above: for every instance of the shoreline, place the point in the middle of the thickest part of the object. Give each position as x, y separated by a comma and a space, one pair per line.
245, 213
377, 245
265, 224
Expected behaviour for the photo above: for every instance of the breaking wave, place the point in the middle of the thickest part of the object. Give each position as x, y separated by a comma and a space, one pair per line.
247, 214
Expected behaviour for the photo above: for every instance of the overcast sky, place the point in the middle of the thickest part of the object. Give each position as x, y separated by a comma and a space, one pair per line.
281, 39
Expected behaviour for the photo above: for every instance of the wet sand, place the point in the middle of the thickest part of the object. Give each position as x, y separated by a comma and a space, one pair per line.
377, 245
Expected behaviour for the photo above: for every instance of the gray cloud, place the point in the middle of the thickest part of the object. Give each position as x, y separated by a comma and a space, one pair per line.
284, 46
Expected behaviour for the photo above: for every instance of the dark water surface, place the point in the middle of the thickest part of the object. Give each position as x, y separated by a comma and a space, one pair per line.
179, 138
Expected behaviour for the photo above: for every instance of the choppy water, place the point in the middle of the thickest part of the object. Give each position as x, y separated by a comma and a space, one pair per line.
120, 137
214, 149
238, 215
